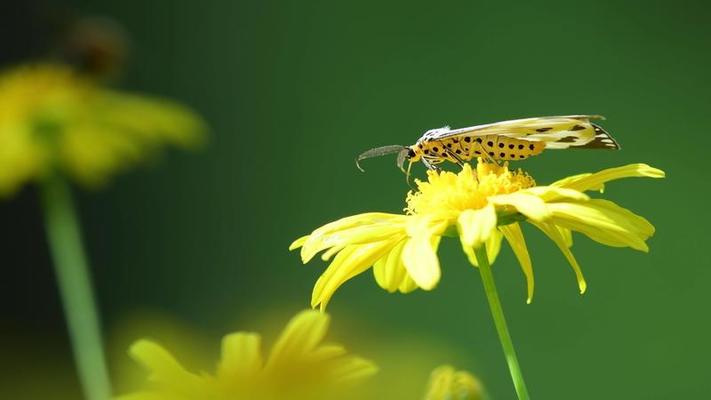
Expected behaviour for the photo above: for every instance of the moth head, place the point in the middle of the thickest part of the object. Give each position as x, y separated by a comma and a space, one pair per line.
413, 154
410, 154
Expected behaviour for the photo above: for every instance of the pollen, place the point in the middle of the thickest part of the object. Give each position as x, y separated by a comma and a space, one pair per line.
446, 193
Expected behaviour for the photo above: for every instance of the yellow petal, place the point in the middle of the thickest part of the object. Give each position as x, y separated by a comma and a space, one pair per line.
625, 217
446, 383
389, 271
596, 181
326, 352
554, 193
407, 285
604, 222
339, 366
566, 234
355, 235
351, 261
570, 180
302, 335
493, 246
298, 243
379, 272
476, 226
241, 356
329, 273
514, 235
355, 221
153, 395
352, 368
331, 252
527, 204
556, 235
419, 255
163, 366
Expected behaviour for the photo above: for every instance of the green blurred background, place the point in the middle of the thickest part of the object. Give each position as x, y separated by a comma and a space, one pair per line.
294, 90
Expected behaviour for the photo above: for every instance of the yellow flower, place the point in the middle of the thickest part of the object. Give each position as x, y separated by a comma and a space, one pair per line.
481, 206
299, 366
446, 383
52, 119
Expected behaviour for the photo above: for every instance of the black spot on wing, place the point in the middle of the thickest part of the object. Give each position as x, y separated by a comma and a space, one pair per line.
543, 129
568, 139
577, 128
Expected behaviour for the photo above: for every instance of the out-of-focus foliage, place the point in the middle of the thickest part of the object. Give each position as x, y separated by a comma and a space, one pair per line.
53, 119
404, 362
299, 366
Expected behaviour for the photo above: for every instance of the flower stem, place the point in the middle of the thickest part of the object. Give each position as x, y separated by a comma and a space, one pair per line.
500, 321
75, 289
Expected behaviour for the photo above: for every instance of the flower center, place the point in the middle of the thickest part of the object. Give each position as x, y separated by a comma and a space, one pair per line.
446, 193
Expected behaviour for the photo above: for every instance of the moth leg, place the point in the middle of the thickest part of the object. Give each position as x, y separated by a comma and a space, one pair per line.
431, 166
457, 159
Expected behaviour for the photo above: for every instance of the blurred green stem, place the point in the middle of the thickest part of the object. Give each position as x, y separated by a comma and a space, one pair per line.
75, 288
500, 321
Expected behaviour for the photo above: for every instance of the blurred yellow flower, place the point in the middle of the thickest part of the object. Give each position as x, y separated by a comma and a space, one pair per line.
54, 119
299, 366
446, 383
481, 206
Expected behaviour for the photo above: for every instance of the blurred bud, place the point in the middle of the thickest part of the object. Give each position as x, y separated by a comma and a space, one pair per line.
446, 383
95, 46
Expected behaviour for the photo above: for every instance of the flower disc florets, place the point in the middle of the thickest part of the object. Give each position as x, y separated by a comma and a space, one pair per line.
450, 193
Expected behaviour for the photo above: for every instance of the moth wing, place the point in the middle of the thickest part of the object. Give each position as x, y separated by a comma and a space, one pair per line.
558, 132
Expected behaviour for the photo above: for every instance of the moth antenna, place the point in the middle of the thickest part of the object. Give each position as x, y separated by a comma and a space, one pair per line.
378, 152
358, 165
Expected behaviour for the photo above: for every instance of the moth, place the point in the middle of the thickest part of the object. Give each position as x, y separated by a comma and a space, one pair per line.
500, 141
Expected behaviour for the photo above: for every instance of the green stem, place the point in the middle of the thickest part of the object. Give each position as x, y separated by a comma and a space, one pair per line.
500, 321
75, 288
